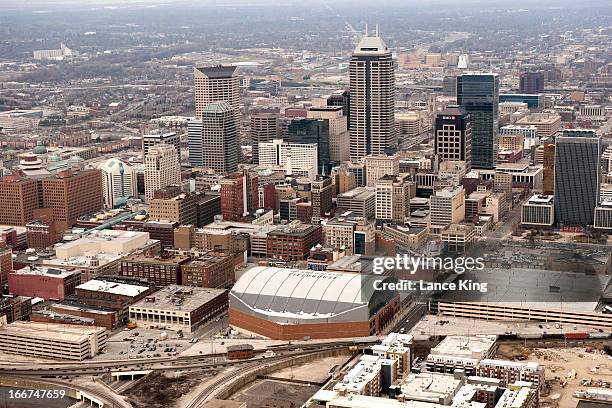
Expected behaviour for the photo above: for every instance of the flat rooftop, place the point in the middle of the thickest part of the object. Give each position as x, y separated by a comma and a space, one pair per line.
361, 374
99, 285
70, 306
448, 192
541, 199
465, 346
227, 227
207, 260
545, 117
405, 229
429, 386
50, 331
44, 271
534, 288
520, 166
179, 298
110, 241
358, 193
364, 401
458, 228
18, 229
65, 318
165, 260
84, 261
430, 325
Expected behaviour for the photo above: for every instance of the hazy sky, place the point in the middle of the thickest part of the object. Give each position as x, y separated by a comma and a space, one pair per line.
86, 3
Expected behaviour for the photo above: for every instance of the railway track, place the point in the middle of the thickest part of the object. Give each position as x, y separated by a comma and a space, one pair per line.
163, 363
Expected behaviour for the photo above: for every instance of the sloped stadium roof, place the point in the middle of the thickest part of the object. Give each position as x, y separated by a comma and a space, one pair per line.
282, 292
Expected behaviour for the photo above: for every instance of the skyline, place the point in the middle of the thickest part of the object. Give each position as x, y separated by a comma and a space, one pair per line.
305, 204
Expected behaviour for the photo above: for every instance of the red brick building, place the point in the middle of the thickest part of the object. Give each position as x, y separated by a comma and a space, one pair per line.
102, 317
270, 198
293, 241
113, 293
45, 316
72, 194
46, 283
41, 233
233, 206
6, 263
214, 270
18, 200
162, 270
15, 308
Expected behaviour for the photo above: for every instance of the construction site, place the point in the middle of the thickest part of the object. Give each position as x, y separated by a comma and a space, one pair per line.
568, 370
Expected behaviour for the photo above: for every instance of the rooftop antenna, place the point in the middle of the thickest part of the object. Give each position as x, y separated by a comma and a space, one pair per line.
366, 33
376, 30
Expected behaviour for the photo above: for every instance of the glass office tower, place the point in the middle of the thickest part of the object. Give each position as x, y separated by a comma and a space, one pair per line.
478, 94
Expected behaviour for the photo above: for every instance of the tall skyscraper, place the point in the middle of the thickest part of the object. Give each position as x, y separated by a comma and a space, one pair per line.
453, 135
213, 140
265, 126
478, 94
162, 169
372, 102
72, 194
577, 176
18, 200
158, 137
118, 182
531, 82
218, 83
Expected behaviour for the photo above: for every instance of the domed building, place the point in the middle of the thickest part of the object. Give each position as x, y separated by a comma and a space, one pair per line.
40, 149
291, 304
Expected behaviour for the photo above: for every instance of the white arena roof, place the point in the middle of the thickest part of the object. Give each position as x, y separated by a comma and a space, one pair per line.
285, 295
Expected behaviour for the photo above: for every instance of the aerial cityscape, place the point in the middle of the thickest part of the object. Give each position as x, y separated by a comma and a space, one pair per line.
319, 204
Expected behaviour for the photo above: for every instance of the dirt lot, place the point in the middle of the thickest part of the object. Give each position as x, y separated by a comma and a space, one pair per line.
316, 371
161, 391
564, 364
261, 390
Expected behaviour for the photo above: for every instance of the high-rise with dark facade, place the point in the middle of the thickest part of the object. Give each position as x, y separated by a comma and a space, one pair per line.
531, 82
265, 126
342, 98
213, 140
308, 131
372, 102
453, 135
577, 177
478, 94
548, 168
